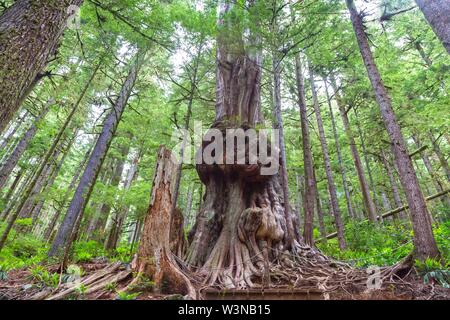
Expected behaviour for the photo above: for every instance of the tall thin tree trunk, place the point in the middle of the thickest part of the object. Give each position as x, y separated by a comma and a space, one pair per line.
278, 125
44, 161
367, 198
437, 13
14, 184
14, 158
339, 153
440, 155
424, 242
36, 27
11, 134
394, 186
310, 183
326, 158
83, 191
299, 192
434, 178
366, 160
48, 231
119, 215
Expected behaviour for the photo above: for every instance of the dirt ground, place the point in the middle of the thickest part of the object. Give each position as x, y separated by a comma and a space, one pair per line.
20, 285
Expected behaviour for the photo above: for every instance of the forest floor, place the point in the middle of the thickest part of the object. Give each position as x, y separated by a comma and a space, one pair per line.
23, 284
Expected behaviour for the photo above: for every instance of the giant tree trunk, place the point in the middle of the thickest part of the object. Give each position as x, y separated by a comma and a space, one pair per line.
30, 31
241, 225
424, 242
326, 158
81, 196
14, 158
368, 202
437, 13
155, 259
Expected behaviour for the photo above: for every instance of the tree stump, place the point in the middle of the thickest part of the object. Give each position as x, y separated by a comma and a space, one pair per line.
155, 259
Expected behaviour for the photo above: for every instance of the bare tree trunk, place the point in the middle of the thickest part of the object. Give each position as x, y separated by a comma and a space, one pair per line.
113, 216
424, 242
326, 158
52, 177
437, 13
440, 155
14, 158
320, 213
12, 202
154, 258
14, 184
368, 202
190, 101
26, 210
48, 231
299, 188
276, 69
121, 213
434, 178
310, 183
95, 225
339, 153
366, 160
36, 28
187, 213
394, 186
11, 134
81, 196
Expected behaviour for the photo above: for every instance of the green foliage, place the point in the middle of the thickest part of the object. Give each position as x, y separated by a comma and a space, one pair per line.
127, 296
22, 250
26, 222
44, 278
433, 271
87, 250
123, 253
385, 245
111, 286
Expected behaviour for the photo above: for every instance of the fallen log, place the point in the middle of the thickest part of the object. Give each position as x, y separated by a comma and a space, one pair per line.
391, 212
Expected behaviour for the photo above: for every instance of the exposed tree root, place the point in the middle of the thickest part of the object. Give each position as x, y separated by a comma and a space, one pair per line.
111, 274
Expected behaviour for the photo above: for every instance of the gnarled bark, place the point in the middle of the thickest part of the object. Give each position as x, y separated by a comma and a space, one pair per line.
241, 225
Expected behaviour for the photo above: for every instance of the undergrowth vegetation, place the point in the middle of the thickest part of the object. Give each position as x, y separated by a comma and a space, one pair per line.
23, 250
367, 245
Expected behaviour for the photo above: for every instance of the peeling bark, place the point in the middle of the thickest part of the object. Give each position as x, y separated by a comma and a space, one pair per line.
154, 258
